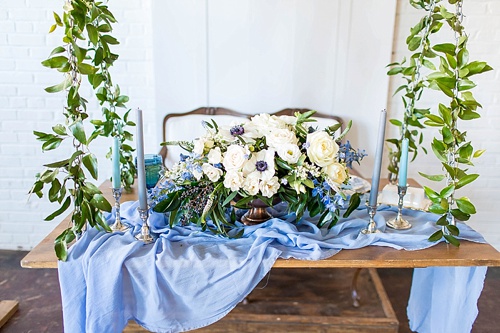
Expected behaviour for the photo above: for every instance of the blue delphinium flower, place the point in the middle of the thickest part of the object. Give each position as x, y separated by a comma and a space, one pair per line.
349, 155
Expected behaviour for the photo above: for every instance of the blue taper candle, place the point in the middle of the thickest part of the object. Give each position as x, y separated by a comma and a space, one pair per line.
403, 163
116, 163
378, 159
141, 167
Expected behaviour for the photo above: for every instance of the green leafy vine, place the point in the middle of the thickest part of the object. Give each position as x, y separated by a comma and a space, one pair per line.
418, 42
452, 78
84, 22
452, 148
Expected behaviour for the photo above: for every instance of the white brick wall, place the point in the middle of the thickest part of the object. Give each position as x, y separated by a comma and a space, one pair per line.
24, 106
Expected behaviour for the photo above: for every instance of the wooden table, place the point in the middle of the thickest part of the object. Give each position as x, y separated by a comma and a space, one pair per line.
468, 254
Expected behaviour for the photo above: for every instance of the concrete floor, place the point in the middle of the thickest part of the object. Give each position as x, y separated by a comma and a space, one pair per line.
37, 291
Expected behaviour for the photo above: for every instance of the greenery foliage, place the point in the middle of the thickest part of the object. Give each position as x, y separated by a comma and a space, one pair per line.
85, 52
452, 77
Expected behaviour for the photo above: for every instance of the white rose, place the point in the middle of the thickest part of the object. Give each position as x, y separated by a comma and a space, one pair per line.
322, 149
289, 153
262, 124
336, 173
211, 172
235, 157
269, 187
233, 180
289, 120
251, 184
280, 136
214, 156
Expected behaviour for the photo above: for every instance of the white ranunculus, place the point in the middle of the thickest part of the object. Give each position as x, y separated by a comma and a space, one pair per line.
289, 153
235, 157
211, 172
322, 149
269, 187
336, 173
233, 180
251, 184
280, 136
214, 156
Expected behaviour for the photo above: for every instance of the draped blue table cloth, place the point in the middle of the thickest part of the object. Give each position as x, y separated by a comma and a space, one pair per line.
188, 279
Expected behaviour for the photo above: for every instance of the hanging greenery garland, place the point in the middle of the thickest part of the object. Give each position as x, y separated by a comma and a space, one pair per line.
85, 52
452, 78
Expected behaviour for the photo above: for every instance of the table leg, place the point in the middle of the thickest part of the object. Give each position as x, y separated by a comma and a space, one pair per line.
354, 288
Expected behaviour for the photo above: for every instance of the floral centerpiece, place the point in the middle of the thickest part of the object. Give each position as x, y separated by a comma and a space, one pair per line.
267, 158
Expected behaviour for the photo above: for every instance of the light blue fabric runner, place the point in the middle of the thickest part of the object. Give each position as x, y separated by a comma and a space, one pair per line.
189, 279
444, 299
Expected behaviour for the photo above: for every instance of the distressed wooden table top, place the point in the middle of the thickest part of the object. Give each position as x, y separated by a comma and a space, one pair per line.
468, 254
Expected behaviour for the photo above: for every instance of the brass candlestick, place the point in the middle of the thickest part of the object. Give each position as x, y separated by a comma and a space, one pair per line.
371, 228
144, 235
118, 225
399, 222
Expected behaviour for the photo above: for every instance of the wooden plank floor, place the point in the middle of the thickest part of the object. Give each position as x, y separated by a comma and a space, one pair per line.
309, 300
7, 310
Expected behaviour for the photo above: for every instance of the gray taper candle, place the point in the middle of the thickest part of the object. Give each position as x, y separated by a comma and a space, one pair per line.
378, 159
141, 168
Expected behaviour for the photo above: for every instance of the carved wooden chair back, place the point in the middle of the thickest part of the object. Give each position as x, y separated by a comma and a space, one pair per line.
188, 125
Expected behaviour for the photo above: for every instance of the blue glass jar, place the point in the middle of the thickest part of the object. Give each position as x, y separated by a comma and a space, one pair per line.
154, 165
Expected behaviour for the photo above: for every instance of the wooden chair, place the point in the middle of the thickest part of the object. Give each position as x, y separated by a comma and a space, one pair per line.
188, 125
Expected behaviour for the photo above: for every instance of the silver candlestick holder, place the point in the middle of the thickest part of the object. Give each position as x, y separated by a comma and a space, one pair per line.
118, 225
371, 228
399, 222
144, 235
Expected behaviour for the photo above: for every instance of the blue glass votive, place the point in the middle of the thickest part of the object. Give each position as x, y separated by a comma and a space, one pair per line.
153, 165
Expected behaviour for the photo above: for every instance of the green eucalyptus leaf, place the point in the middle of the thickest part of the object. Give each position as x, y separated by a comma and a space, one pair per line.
459, 215
93, 34
55, 62
61, 210
59, 129
445, 48
447, 191
100, 202
436, 236
58, 164
442, 221
86, 69
466, 206
60, 248
78, 131
452, 240
453, 229
478, 153
61, 86
436, 178
90, 162
51, 143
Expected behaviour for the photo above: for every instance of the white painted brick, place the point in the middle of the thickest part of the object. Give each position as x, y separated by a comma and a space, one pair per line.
26, 39
24, 27
27, 14
13, 77
8, 90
